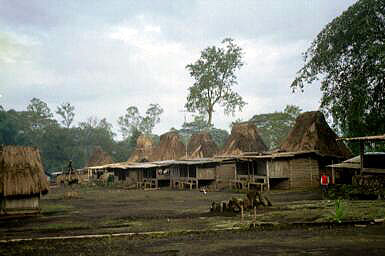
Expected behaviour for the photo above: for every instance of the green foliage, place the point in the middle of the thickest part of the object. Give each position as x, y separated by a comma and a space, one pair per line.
132, 121
200, 124
219, 136
274, 127
339, 213
214, 75
67, 112
40, 114
197, 125
348, 56
13, 128
58, 144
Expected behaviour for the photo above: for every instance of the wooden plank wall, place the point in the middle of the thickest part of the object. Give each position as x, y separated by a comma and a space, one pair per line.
224, 173
206, 173
279, 168
21, 205
304, 173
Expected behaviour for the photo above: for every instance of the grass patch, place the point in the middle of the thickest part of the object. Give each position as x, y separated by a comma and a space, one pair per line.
56, 208
63, 226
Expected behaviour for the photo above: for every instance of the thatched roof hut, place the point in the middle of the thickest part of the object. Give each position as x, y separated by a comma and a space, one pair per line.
312, 132
170, 147
143, 150
99, 157
22, 179
21, 172
244, 137
201, 145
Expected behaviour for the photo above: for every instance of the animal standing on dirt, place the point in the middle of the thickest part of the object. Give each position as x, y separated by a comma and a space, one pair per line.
253, 199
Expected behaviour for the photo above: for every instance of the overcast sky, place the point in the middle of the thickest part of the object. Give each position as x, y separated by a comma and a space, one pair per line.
103, 56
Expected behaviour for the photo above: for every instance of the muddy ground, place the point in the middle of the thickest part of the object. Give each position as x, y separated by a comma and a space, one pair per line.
108, 210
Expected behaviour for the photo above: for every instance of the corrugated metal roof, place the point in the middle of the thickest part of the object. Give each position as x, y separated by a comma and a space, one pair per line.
346, 165
279, 155
355, 162
125, 165
196, 161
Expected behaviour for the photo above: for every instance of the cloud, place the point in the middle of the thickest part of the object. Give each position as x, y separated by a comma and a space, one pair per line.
103, 57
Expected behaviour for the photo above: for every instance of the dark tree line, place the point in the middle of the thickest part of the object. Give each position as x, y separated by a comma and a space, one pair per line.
61, 141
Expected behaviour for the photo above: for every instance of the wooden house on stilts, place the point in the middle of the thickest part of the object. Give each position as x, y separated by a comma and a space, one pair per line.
310, 146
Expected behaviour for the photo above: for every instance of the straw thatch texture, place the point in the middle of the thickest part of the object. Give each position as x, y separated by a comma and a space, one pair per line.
99, 157
201, 145
244, 137
21, 172
311, 132
170, 147
143, 150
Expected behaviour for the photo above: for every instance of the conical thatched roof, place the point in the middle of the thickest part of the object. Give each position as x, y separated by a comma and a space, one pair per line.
21, 172
143, 150
99, 157
244, 137
201, 145
312, 132
170, 147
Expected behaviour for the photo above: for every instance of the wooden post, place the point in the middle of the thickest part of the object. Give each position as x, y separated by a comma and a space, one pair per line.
235, 172
255, 214
268, 175
362, 149
241, 213
333, 174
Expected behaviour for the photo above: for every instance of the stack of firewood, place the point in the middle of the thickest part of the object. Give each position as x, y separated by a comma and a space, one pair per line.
370, 184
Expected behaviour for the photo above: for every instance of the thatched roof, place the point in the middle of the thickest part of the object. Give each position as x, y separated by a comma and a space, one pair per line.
312, 132
170, 147
143, 150
21, 172
99, 157
244, 137
201, 145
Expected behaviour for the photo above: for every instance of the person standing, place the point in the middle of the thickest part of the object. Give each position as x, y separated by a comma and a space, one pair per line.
324, 184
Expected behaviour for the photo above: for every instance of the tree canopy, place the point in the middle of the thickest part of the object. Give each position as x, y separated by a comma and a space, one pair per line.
214, 75
348, 57
59, 144
132, 121
274, 127
67, 112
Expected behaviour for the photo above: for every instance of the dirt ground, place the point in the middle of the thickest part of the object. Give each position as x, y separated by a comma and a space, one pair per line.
316, 241
288, 227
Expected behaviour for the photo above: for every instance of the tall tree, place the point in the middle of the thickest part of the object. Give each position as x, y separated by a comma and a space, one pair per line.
132, 122
95, 132
214, 75
151, 119
348, 57
67, 112
40, 114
